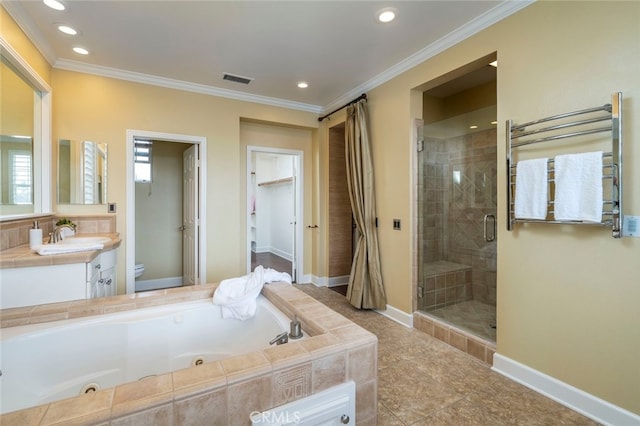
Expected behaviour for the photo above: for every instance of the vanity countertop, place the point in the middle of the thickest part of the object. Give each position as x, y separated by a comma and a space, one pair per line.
23, 257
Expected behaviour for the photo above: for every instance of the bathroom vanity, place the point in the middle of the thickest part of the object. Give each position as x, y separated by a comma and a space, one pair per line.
31, 279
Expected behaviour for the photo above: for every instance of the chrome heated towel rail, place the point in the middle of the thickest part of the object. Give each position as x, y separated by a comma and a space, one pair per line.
591, 121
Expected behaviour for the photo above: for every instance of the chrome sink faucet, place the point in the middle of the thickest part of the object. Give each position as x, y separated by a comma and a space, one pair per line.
56, 235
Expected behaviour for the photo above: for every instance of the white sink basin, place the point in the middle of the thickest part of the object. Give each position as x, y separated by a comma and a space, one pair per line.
85, 240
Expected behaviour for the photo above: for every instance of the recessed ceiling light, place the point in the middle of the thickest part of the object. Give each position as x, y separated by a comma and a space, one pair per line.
67, 30
494, 63
387, 14
54, 4
303, 84
473, 127
494, 122
81, 50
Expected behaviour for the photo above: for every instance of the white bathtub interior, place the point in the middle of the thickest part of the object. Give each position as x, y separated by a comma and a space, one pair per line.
47, 362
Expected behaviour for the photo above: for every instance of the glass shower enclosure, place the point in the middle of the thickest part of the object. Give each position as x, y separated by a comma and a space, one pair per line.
456, 222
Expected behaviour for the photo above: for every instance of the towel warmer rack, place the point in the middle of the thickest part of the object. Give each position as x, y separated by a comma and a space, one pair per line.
602, 119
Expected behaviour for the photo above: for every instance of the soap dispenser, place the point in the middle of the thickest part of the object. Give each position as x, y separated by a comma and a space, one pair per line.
35, 235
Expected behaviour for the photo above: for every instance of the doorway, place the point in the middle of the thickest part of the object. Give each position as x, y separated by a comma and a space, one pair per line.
168, 223
342, 230
274, 214
456, 202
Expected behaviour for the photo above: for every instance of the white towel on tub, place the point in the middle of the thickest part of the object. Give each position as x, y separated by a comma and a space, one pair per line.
532, 197
237, 296
578, 194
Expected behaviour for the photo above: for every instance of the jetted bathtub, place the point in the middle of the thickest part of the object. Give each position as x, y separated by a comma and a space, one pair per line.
47, 362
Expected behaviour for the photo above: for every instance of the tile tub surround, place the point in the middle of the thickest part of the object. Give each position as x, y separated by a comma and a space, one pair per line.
221, 392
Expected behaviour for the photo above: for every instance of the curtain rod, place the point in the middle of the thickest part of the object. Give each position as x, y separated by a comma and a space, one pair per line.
363, 96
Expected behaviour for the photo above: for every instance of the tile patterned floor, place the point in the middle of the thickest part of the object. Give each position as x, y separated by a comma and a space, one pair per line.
475, 317
423, 381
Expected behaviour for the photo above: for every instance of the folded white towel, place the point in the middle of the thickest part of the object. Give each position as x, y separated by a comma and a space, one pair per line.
48, 249
237, 296
531, 189
578, 194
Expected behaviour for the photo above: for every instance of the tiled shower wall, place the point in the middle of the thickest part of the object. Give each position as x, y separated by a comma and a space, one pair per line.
457, 188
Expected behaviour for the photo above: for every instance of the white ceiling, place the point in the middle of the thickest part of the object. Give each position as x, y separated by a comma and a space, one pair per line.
337, 46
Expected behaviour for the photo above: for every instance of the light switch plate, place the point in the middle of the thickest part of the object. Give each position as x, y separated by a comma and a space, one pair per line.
631, 226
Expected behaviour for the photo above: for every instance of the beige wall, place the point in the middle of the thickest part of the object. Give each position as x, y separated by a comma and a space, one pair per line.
436, 109
88, 107
12, 33
568, 297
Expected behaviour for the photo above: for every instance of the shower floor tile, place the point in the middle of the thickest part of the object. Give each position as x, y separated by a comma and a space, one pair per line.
476, 317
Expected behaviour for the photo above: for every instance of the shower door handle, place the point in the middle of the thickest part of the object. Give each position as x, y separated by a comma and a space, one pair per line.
489, 236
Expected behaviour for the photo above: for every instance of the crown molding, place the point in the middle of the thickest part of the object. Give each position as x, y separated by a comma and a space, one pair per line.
170, 83
16, 11
496, 14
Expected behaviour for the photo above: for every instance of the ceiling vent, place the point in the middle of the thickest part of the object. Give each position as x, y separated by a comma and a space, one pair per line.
237, 78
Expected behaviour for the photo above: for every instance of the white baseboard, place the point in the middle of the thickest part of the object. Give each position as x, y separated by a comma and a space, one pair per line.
327, 281
390, 312
397, 315
273, 250
158, 284
305, 279
282, 254
336, 281
584, 403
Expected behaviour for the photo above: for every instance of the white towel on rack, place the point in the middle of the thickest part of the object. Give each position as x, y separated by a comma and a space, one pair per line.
531, 189
578, 194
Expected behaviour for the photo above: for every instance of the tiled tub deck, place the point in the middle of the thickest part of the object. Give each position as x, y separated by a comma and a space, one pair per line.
221, 392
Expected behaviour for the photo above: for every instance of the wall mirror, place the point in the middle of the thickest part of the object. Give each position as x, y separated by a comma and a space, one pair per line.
82, 172
25, 122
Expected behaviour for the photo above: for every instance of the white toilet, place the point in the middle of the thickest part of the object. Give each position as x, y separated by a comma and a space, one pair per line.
139, 270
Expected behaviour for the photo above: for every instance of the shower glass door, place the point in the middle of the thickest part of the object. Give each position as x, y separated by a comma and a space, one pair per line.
457, 210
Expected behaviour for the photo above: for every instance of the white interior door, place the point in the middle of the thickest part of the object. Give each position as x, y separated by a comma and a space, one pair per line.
190, 216
294, 192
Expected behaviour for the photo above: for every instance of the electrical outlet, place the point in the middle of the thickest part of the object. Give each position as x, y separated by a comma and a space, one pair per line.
396, 224
111, 208
631, 226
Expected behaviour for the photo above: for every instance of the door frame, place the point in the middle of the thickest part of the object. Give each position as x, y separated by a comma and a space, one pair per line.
299, 202
130, 247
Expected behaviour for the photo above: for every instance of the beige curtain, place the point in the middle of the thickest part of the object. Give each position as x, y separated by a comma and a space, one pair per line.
365, 289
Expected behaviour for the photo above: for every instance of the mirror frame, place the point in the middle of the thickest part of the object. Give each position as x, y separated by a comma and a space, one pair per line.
41, 134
